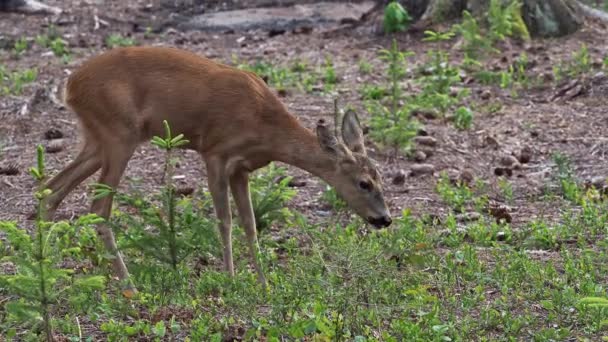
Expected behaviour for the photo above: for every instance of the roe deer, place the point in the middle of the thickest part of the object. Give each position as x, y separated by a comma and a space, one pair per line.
235, 122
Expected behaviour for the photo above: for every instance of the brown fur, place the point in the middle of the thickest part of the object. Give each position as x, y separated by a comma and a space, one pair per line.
230, 117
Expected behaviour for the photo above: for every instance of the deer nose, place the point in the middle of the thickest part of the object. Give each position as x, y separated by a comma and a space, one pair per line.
380, 222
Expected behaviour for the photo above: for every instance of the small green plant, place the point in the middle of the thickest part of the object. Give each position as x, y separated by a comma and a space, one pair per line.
299, 66
20, 47
44, 39
331, 197
463, 118
39, 284
569, 186
579, 64
149, 32
596, 307
329, 75
396, 18
474, 41
505, 20
391, 124
118, 40
436, 37
59, 47
581, 61
373, 92
299, 74
506, 189
366, 67
168, 232
438, 77
456, 196
14, 82
270, 193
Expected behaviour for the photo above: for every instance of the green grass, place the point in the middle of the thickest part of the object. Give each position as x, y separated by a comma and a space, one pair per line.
426, 278
117, 40
13, 82
420, 280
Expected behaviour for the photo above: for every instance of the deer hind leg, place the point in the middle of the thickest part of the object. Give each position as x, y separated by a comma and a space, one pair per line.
218, 186
86, 163
239, 184
115, 160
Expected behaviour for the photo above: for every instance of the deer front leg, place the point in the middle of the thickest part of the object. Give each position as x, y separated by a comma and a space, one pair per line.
218, 186
239, 184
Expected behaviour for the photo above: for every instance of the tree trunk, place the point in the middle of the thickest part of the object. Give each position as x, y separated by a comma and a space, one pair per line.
10, 5
544, 18
27, 6
551, 18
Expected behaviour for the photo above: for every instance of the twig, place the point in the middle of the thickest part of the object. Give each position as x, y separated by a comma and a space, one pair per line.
8, 183
79, 329
53, 97
336, 117
582, 139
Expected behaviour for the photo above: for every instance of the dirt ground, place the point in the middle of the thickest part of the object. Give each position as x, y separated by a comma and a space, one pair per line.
576, 127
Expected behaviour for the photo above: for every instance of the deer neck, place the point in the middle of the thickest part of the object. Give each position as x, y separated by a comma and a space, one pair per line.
299, 147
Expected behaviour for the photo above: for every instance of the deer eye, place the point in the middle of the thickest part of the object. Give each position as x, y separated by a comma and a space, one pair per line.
365, 185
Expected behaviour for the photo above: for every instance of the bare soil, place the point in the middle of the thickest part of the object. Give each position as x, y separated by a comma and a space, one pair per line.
576, 127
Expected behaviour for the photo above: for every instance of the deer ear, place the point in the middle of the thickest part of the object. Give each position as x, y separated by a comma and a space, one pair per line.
352, 134
327, 139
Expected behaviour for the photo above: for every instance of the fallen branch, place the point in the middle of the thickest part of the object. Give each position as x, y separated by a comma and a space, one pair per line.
28, 7
591, 12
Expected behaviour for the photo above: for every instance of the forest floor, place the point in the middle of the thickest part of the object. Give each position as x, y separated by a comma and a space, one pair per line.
550, 120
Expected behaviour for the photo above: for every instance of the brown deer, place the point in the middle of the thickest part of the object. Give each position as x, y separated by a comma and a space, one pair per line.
229, 116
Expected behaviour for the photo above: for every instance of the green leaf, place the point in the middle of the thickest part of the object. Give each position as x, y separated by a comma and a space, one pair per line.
547, 304
97, 282
23, 311
167, 130
159, 142
159, 329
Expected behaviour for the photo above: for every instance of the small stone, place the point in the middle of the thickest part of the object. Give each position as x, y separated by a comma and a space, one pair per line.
490, 141
429, 153
282, 92
422, 169
53, 133
501, 236
55, 146
420, 156
10, 169
547, 77
454, 91
429, 114
184, 190
599, 77
302, 30
422, 132
598, 182
508, 161
502, 171
426, 141
275, 32
525, 155
500, 213
466, 177
296, 183
486, 95
399, 177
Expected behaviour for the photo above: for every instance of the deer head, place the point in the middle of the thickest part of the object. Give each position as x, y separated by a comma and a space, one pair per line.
356, 178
